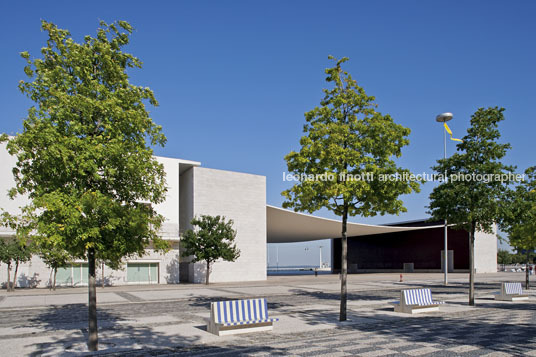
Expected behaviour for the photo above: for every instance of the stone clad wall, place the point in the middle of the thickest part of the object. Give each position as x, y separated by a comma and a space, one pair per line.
242, 198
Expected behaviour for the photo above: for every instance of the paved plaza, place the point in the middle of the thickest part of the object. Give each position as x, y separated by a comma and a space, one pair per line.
170, 319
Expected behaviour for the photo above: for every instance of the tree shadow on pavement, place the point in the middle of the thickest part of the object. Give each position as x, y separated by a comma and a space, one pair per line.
66, 328
498, 327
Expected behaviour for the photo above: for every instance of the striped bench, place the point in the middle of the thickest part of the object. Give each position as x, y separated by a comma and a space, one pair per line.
511, 292
415, 301
239, 316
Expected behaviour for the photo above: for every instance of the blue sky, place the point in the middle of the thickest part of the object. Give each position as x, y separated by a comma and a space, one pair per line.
234, 78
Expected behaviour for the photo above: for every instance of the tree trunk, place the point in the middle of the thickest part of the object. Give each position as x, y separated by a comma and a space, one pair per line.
102, 266
472, 265
15, 276
527, 271
54, 281
93, 342
208, 272
8, 287
344, 265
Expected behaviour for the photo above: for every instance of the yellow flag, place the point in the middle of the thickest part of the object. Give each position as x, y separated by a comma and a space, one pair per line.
450, 133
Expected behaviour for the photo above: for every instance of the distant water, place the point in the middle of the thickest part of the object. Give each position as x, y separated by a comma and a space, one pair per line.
294, 270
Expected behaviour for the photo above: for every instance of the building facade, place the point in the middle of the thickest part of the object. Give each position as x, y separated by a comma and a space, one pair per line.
192, 190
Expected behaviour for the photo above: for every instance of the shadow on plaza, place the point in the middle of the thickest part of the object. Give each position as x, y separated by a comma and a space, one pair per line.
374, 295
492, 330
204, 302
67, 327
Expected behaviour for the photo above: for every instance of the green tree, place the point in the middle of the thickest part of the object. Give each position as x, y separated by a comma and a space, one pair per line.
211, 239
504, 257
466, 201
18, 248
14, 252
54, 256
346, 159
520, 218
84, 157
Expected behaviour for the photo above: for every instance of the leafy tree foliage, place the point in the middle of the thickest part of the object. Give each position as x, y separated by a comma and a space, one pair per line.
473, 204
17, 249
504, 257
520, 217
54, 256
84, 156
346, 138
211, 239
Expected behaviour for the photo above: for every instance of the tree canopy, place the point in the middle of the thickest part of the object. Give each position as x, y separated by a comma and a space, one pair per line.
84, 157
520, 216
211, 239
346, 160
353, 145
477, 181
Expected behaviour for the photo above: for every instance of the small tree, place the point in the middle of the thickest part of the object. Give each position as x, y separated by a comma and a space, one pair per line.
84, 157
464, 200
54, 257
17, 249
211, 239
520, 218
346, 160
14, 252
504, 257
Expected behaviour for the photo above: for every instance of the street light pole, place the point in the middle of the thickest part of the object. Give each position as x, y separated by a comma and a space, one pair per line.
443, 118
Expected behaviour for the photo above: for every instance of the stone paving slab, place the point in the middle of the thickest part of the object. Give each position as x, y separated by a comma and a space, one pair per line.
172, 322
56, 299
181, 294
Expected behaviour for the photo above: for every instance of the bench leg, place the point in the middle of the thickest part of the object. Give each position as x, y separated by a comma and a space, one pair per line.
235, 330
219, 330
415, 310
510, 298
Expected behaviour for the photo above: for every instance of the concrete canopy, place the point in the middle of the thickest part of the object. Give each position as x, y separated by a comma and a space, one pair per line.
285, 226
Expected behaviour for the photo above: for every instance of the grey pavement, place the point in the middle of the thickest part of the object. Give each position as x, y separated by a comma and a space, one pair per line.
170, 319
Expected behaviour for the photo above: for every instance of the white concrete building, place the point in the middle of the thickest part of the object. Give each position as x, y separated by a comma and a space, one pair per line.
194, 190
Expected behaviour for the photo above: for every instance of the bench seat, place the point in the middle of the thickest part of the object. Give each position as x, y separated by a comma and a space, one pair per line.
511, 292
239, 316
414, 301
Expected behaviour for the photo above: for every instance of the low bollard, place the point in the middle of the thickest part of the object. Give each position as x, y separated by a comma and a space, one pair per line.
401, 280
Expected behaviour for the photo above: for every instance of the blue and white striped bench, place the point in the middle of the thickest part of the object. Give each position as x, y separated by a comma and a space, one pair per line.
511, 292
239, 316
416, 300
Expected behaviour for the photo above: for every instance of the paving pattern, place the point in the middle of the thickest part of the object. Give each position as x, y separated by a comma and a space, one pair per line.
505, 330
139, 327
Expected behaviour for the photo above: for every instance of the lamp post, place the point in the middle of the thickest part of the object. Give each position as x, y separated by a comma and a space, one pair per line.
443, 118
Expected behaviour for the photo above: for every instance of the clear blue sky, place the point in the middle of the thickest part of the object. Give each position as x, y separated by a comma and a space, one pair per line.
234, 78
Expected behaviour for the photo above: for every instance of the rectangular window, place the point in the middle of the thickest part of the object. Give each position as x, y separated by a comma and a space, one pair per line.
75, 274
142, 273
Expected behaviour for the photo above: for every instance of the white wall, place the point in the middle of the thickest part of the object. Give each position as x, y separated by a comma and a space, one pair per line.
242, 198
7, 163
486, 252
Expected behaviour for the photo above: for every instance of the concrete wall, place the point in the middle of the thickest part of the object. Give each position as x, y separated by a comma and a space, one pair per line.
242, 198
486, 252
191, 191
35, 273
170, 207
7, 163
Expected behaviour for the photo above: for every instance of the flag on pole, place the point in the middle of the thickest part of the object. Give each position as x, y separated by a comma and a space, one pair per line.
450, 133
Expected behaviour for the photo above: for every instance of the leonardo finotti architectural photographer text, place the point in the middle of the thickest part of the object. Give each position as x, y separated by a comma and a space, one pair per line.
423, 177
